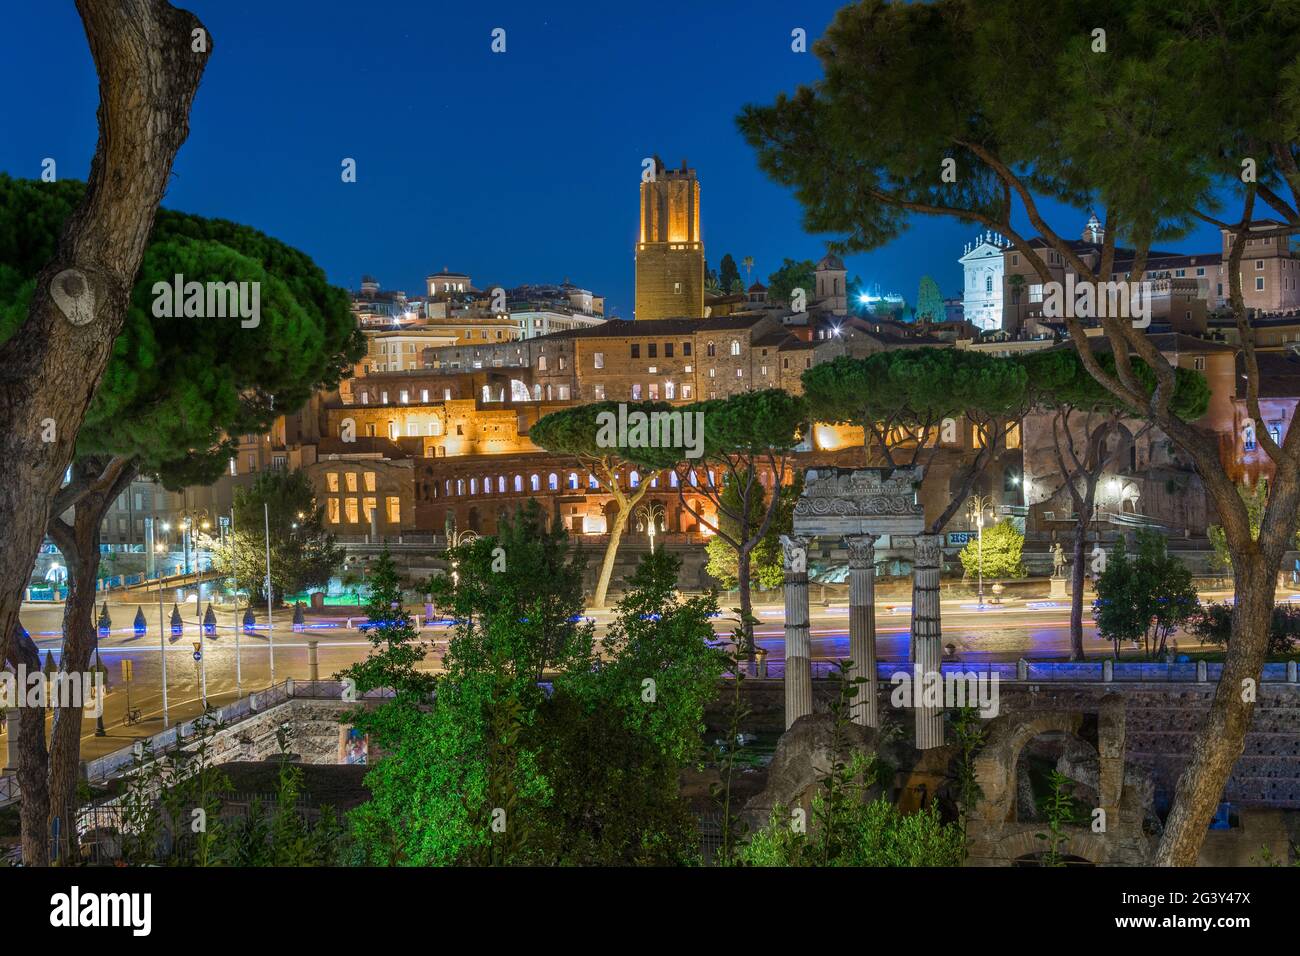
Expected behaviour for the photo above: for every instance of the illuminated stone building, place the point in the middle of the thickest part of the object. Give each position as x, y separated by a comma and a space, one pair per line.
669, 251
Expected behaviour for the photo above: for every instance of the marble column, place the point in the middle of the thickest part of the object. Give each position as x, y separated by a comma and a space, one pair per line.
798, 643
927, 638
862, 626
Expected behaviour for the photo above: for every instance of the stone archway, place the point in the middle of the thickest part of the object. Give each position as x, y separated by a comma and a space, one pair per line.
997, 838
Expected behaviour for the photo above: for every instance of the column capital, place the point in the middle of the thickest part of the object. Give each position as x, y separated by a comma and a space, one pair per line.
862, 550
929, 548
794, 548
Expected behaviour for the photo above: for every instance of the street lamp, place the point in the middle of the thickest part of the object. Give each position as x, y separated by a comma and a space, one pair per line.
648, 518
975, 514
162, 640
456, 539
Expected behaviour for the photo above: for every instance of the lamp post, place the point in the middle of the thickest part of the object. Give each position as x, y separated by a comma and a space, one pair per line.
649, 514
978, 503
456, 539
192, 523
270, 624
162, 643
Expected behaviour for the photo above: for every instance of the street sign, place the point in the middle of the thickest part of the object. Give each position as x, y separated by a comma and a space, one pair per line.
960, 537
198, 655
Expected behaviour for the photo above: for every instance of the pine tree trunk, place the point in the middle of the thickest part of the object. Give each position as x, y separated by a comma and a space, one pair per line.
743, 563
611, 555
1076, 591
1222, 738
79, 640
30, 758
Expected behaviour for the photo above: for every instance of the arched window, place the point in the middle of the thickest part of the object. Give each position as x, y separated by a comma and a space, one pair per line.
473, 486
460, 486
710, 477
534, 483
735, 347
553, 482
634, 480
573, 480
487, 485
446, 487
537, 393
695, 481
519, 482
592, 482
672, 479
501, 484
711, 350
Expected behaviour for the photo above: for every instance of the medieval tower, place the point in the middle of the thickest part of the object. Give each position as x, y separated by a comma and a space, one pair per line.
669, 253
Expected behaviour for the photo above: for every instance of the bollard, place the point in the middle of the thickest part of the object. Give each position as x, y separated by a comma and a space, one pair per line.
1202, 672
1291, 672
1108, 670
1022, 669
313, 663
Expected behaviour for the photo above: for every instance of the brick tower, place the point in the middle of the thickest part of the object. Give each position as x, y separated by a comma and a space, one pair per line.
669, 254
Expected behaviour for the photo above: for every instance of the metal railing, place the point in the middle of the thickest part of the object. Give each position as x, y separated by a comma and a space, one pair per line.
1058, 672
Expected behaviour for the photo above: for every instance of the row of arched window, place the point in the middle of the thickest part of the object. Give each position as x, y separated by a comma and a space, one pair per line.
458, 487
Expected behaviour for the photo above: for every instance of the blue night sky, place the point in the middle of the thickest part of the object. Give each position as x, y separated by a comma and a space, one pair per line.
516, 167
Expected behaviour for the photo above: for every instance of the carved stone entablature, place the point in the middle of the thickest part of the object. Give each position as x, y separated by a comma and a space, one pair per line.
849, 501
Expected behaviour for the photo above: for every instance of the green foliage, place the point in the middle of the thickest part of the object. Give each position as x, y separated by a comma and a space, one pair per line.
1057, 379
792, 275
1212, 624
970, 733
1146, 131
848, 830
175, 388
1060, 810
912, 389
1145, 597
397, 651
929, 301
497, 771
999, 555
1256, 502
729, 276
765, 568
584, 432
751, 425
303, 554
517, 601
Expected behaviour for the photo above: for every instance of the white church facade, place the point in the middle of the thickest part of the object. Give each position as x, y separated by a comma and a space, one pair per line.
982, 290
